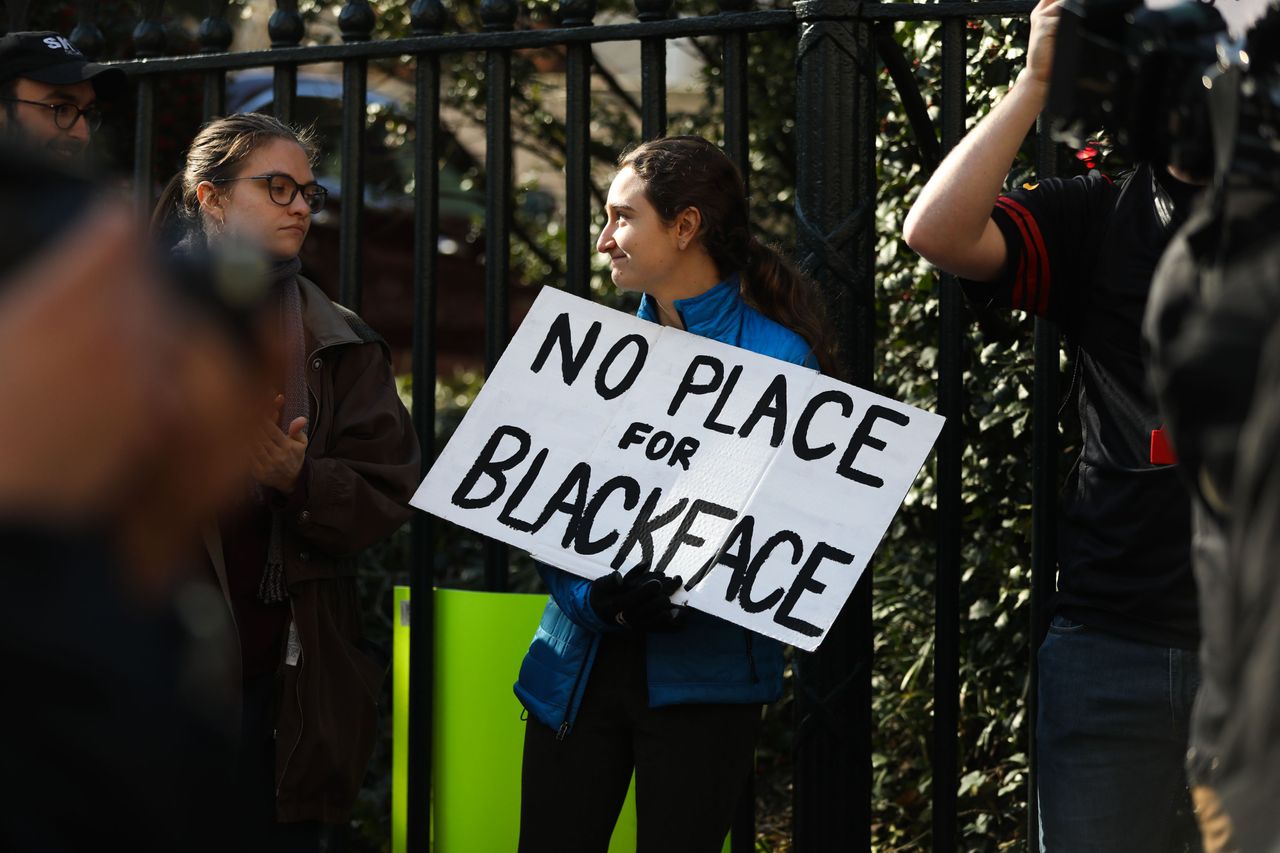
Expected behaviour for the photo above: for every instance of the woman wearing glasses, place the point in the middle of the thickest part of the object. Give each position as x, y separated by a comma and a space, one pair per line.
335, 464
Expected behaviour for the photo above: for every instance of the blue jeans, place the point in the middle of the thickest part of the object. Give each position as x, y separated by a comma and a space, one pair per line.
1112, 739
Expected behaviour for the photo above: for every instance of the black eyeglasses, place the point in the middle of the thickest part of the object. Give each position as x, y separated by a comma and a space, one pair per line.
65, 116
284, 189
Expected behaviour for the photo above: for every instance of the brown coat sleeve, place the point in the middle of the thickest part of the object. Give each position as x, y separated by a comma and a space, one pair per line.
363, 462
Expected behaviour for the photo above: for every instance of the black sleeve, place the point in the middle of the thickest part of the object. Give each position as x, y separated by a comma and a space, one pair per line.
1052, 230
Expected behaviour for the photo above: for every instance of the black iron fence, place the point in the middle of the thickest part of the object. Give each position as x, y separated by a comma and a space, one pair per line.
840, 45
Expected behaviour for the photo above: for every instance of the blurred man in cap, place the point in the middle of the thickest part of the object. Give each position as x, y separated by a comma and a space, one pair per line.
50, 93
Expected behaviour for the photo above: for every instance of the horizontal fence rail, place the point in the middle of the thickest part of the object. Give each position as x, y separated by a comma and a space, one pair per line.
840, 46
678, 28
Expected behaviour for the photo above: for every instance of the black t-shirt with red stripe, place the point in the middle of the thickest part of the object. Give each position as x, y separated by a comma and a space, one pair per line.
1082, 252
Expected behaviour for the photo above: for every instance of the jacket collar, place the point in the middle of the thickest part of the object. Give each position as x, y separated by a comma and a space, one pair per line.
714, 314
324, 326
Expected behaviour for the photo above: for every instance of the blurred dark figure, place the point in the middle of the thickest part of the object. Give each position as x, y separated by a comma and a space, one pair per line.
1249, 742
49, 94
1214, 306
124, 393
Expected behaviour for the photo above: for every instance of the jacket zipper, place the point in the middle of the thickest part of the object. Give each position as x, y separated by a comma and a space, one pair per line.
751, 658
297, 693
315, 398
568, 723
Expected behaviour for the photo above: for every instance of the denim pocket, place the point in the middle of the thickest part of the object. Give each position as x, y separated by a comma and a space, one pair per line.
1065, 625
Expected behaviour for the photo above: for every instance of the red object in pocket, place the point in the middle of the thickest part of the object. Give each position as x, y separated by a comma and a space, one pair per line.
1161, 451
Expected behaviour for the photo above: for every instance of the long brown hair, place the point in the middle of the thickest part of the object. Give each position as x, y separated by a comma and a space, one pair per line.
220, 146
680, 172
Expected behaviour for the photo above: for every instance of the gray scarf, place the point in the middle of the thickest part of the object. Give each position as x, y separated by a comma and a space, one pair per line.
272, 588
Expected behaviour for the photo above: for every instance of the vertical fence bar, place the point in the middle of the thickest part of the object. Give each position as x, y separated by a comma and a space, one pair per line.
734, 75
87, 36
356, 22
835, 210
427, 18
949, 453
577, 162
736, 133
286, 30
148, 41
215, 36
17, 10
1044, 497
498, 16
653, 71
742, 834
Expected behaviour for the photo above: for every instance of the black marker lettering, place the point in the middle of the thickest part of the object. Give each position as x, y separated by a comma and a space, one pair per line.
630, 495
570, 362
862, 437
711, 423
682, 535
485, 465
634, 435
772, 404
688, 386
577, 480
751, 605
507, 516
684, 452
629, 378
800, 438
642, 530
803, 583
659, 445
741, 536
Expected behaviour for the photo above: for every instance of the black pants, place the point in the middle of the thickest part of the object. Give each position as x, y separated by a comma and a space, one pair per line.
259, 831
691, 764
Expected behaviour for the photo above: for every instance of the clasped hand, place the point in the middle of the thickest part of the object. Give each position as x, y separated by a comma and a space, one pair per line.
277, 456
638, 600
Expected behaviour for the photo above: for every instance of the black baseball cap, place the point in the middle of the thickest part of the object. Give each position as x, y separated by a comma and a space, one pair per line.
51, 58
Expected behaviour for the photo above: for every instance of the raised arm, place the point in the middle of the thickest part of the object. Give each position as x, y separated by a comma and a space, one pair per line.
950, 224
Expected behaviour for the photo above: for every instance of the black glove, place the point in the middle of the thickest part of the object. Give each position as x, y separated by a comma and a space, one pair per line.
640, 600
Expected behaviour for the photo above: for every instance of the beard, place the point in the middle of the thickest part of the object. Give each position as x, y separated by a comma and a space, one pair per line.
60, 148
66, 149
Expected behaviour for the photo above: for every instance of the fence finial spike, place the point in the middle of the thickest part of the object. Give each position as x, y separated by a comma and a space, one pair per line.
148, 35
356, 21
427, 17
654, 10
285, 26
214, 34
87, 36
577, 13
499, 15
17, 14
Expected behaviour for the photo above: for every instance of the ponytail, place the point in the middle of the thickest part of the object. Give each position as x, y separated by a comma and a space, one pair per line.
170, 221
776, 289
680, 172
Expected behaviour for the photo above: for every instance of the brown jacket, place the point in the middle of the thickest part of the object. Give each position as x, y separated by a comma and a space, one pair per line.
362, 467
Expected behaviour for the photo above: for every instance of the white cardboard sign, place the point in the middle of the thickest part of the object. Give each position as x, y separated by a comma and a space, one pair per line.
602, 441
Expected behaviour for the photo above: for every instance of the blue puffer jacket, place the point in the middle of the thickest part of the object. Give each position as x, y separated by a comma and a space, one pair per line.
709, 660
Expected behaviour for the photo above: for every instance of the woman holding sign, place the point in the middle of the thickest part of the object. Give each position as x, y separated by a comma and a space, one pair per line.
617, 680
334, 464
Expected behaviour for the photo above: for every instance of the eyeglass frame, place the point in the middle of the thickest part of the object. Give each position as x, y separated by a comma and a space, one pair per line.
91, 114
297, 188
